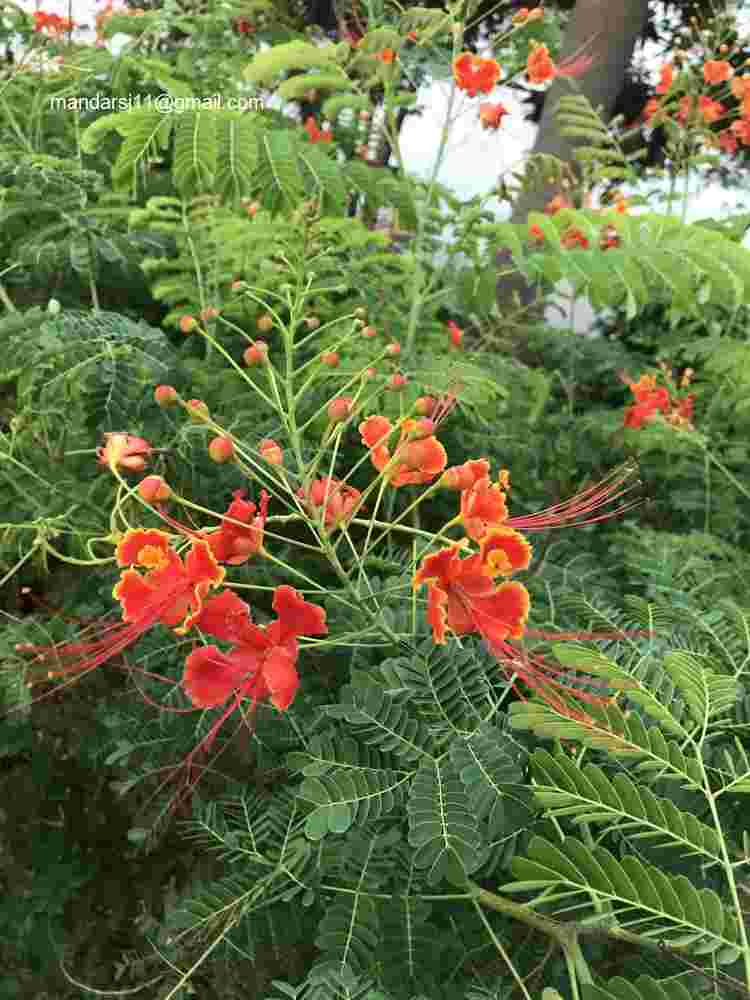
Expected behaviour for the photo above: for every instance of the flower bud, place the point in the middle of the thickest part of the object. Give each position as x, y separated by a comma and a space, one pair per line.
330, 358
221, 449
238, 285
188, 323
312, 322
153, 489
165, 395
340, 409
397, 382
256, 353
393, 349
53, 307
198, 410
360, 312
370, 372
425, 405
264, 323
369, 331
252, 208
271, 452
209, 313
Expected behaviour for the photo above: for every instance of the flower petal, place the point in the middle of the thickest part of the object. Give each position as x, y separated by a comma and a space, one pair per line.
210, 677
296, 615
280, 678
505, 551
132, 542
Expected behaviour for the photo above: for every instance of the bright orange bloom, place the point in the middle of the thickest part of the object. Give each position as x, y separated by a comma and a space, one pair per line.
456, 334
717, 71
504, 551
333, 499
540, 68
741, 90
173, 588
555, 204
462, 597
711, 110
262, 664
574, 237
666, 77
315, 134
473, 74
53, 23
482, 506
463, 477
124, 450
491, 115
234, 543
415, 460
741, 129
271, 452
651, 108
524, 15
727, 141
536, 233
386, 56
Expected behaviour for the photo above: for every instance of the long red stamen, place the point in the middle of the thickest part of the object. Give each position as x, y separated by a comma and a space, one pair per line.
575, 511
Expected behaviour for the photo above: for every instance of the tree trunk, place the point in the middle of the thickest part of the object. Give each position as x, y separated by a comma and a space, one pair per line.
606, 30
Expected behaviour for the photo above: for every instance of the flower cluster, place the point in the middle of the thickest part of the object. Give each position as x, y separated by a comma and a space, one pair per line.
53, 24
652, 399
704, 110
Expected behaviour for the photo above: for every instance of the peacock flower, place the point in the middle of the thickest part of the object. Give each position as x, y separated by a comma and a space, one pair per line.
574, 237
239, 537
463, 477
314, 133
716, 71
170, 592
124, 451
171, 588
666, 77
332, 500
416, 460
262, 665
711, 110
491, 115
540, 68
462, 597
482, 506
473, 74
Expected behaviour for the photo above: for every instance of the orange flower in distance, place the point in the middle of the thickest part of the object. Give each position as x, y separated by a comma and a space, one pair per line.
740, 87
574, 237
387, 56
536, 234
555, 204
491, 115
262, 665
170, 591
717, 71
473, 74
711, 110
416, 460
741, 129
540, 68
124, 451
666, 78
315, 134
462, 597
455, 333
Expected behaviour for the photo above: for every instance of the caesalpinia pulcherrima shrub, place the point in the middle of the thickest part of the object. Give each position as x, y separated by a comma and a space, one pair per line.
178, 576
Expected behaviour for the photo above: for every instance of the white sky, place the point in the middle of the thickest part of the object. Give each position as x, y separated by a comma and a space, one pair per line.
474, 158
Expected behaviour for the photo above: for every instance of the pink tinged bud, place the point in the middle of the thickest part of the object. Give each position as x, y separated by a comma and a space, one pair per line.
165, 395
153, 489
369, 373
397, 382
256, 354
197, 410
237, 286
369, 331
271, 452
330, 358
188, 324
211, 312
221, 449
393, 349
425, 405
340, 409
124, 451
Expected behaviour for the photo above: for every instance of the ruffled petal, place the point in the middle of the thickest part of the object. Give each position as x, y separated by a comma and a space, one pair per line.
505, 551
437, 612
224, 616
201, 565
132, 542
374, 430
296, 615
503, 615
279, 677
210, 677
137, 598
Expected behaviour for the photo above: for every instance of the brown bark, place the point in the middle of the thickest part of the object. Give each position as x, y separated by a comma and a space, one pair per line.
607, 30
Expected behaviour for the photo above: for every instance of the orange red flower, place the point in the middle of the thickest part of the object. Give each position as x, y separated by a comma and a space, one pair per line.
332, 500
415, 460
652, 399
666, 78
54, 24
314, 133
491, 115
540, 68
455, 333
262, 665
474, 74
717, 71
387, 56
462, 597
